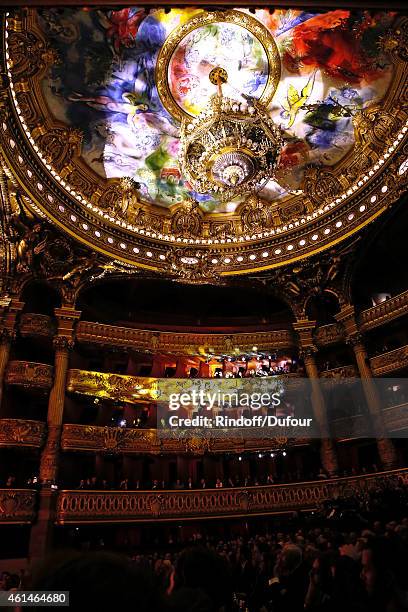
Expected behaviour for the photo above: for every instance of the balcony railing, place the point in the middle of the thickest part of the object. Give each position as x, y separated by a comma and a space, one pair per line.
29, 374
128, 441
395, 419
17, 506
36, 325
181, 343
20, 432
132, 507
390, 362
386, 311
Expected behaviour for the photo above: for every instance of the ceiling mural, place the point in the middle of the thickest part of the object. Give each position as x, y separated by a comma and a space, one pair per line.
330, 66
203, 144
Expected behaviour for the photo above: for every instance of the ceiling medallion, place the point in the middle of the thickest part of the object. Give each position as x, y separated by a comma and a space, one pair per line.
232, 148
182, 37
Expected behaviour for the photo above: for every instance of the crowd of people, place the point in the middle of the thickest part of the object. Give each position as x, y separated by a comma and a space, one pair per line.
331, 564
93, 482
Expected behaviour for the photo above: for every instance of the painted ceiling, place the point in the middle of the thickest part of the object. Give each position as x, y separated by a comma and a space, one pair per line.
328, 67
93, 102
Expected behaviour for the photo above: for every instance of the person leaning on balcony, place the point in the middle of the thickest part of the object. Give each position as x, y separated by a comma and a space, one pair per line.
219, 484
203, 484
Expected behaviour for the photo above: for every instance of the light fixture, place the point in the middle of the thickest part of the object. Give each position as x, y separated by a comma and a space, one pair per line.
232, 148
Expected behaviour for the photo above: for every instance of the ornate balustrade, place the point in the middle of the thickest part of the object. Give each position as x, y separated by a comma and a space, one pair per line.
390, 362
128, 441
29, 374
181, 343
347, 371
20, 432
395, 419
126, 506
17, 506
386, 311
329, 334
36, 325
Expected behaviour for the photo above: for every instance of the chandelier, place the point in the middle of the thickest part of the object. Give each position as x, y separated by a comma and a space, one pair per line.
232, 148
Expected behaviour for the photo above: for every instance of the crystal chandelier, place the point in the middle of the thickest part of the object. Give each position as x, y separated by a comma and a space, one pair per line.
232, 148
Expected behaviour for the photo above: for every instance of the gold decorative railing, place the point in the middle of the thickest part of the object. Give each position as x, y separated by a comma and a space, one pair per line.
386, 311
20, 432
128, 441
135, 506
347, 371
36, 325
17, 506
329, 334
182, 343
29, 374
390, 362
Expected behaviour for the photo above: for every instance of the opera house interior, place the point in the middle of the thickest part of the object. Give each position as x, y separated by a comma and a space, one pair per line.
209, 198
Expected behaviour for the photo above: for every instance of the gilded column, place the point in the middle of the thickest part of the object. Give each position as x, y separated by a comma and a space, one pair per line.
42, 530
386, 448
327, 448
9, 311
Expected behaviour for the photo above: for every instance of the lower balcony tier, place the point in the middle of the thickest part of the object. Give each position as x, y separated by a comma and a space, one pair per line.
82, 507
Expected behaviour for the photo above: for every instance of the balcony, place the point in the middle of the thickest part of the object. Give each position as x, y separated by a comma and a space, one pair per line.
30, 374
395, 419
17, 506
390, 362
181, 343
395, 307
81, 507
20, 432
91, 438
36, 325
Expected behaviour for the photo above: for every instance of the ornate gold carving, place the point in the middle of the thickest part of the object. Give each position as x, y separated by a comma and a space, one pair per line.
119, 506
179, 343
186, 220
36, 325
17, 506
329, 334
393, 308
348, 371
115, 386
320, 185
390, 362
256, 216
395, 42
94, 438
192, 265
29, 54
60, 145
63, 343
29, 374
19, 432
205, 18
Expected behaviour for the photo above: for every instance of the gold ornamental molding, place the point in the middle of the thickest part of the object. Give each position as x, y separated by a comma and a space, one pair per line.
239, 18
21, 432
133, 507
118, 387
36, 325
30, 374
388, 310
390, 362
17, 506
182, 343
92, 438
347, 371
336, 201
